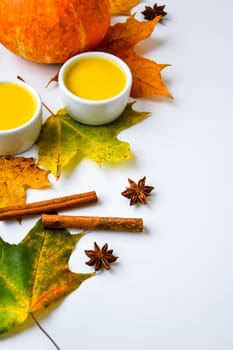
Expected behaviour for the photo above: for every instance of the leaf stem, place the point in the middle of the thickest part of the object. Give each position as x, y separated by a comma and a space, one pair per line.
48, 109
43, 330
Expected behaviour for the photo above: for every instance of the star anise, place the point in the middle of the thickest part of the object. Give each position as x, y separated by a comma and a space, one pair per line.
152, 12
137, 192
100, 257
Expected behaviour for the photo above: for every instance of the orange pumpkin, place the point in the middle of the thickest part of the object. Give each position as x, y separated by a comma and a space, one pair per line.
51, 31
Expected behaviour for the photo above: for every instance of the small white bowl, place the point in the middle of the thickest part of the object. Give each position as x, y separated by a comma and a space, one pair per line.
19, 139
94, 112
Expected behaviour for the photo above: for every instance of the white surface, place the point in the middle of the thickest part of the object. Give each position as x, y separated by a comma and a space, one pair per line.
172, 286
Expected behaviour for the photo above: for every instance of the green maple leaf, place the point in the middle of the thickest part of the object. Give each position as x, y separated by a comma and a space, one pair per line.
34, 273
62, 139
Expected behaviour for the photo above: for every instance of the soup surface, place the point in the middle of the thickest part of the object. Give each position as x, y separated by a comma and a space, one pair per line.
95, 78
17, 106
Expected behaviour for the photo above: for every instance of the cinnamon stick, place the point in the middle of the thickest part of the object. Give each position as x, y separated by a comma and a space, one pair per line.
93, 223
46, 206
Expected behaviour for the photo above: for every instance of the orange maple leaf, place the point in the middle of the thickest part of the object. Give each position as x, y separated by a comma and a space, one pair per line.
122, 7
16, 175
120, 41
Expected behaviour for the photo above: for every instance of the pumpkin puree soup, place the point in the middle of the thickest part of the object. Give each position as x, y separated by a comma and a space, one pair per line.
95, 78
17, 106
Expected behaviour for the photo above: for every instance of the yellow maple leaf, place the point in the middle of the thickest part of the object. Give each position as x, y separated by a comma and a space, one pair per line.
63, 139
120, 41
16, 175
122, 7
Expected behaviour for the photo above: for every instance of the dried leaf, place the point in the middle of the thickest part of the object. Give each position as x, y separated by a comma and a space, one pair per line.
53, 79
34, 273
16, 175
120, 41
122, 7
62, 139
147, 80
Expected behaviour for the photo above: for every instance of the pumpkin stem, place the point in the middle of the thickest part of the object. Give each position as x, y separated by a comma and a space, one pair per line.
43, 330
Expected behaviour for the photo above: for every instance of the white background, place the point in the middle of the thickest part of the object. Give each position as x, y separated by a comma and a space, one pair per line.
172, 286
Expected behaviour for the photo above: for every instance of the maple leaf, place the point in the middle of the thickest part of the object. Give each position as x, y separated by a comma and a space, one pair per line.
120, 41
63, 138
16, 175
122, 7
34, 273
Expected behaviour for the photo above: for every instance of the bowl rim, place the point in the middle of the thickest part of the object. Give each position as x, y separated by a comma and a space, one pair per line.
70, 61
36, 114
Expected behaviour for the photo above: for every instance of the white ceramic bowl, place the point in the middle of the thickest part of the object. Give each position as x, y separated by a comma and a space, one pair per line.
94, 112
18, 140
